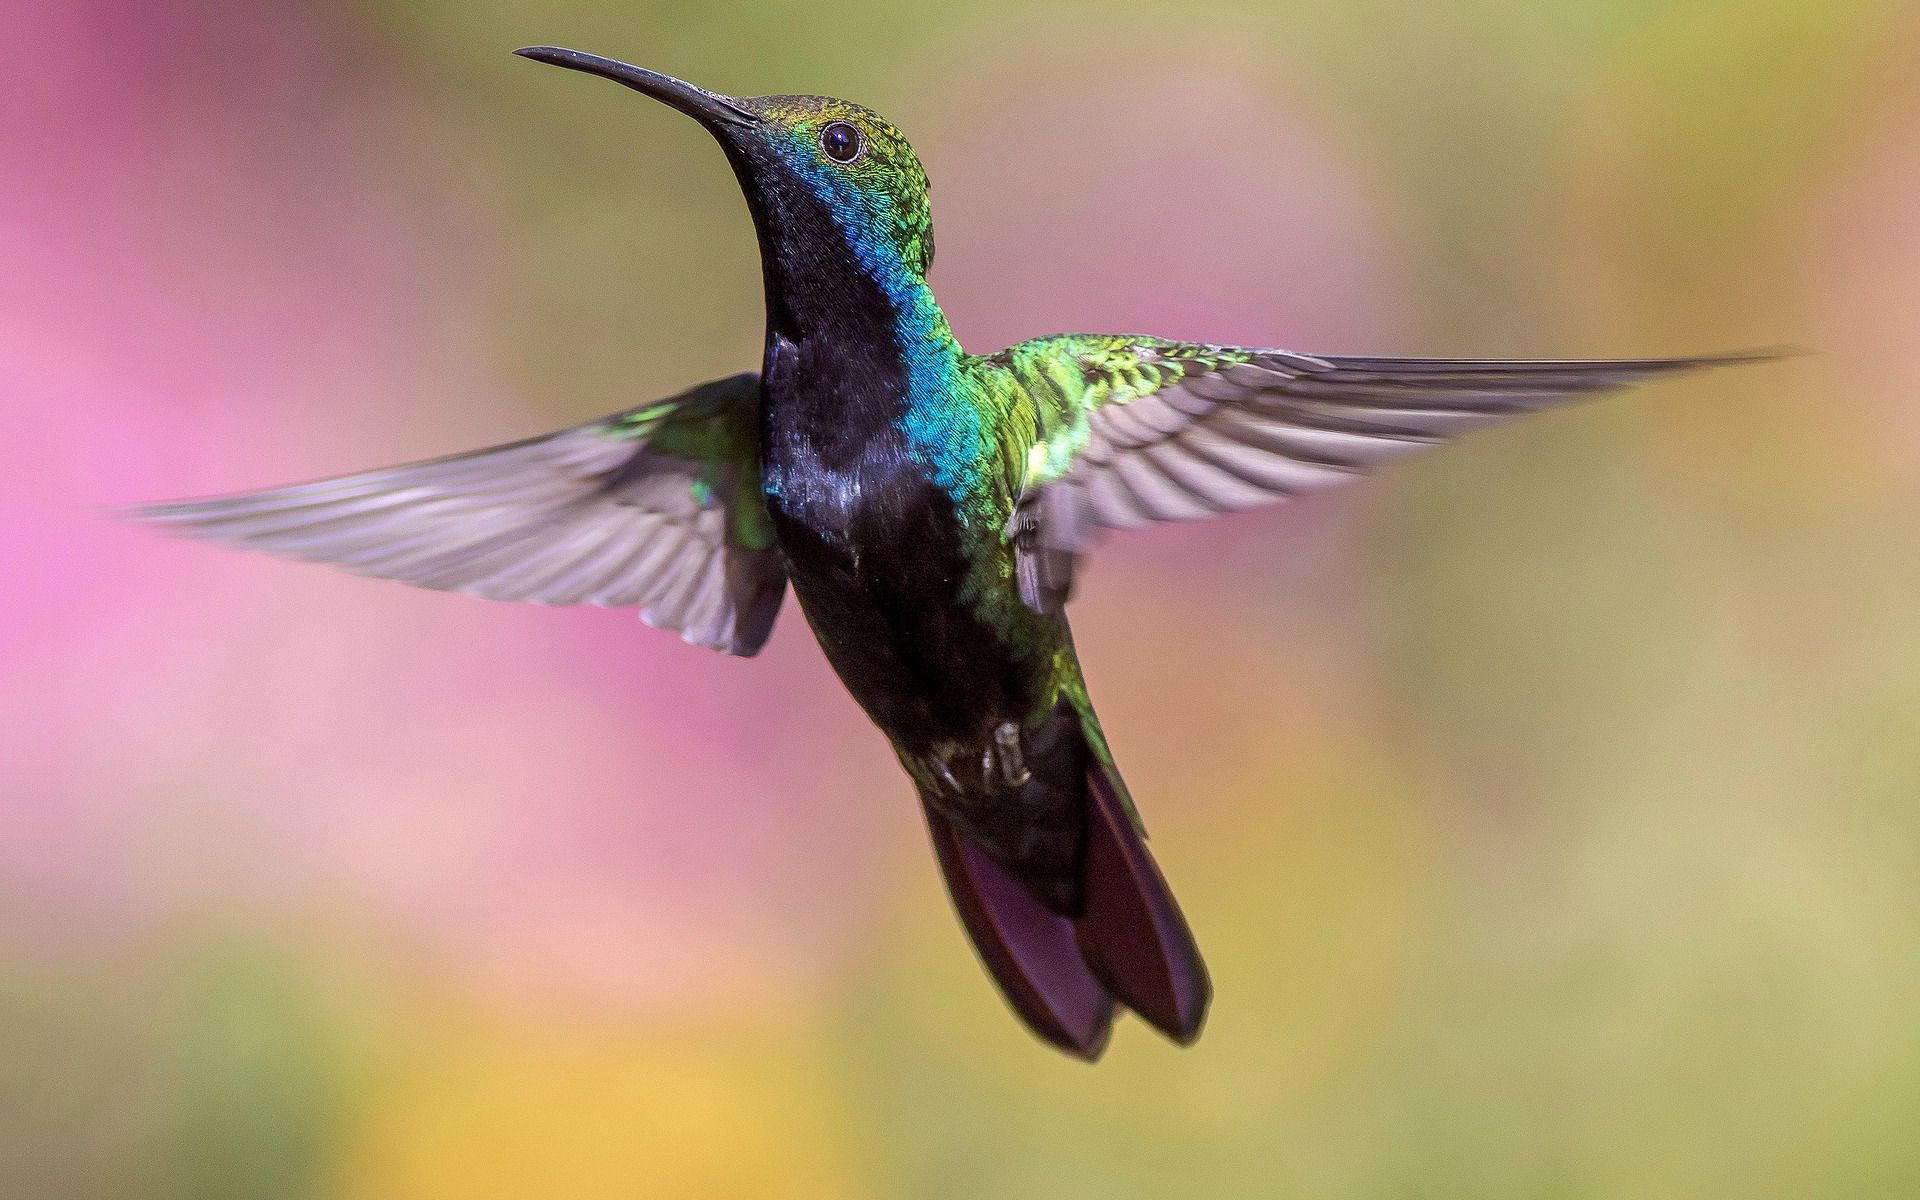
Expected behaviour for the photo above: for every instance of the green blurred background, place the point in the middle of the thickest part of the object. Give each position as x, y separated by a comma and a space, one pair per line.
1549, 808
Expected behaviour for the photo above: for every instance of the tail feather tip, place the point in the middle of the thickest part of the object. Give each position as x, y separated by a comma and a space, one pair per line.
1066, 976
1132, 934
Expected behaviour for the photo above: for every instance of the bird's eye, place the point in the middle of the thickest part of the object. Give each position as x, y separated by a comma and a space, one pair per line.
842, 143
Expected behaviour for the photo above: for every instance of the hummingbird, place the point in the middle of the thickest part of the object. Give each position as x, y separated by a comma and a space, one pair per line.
930, 509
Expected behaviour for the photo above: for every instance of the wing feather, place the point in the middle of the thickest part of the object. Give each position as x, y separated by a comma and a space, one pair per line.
655, 508
1167, 431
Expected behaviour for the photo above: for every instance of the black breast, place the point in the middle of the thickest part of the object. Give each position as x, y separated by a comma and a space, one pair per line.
877, 558
874, 547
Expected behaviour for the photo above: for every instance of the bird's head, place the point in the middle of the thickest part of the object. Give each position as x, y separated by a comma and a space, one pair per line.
823, 177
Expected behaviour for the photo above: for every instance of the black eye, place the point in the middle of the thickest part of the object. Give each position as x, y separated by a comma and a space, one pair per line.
842, 142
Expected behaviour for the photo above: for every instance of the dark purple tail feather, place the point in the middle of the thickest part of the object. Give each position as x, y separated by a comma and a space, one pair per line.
1132, 934
1062, 974
1031, 952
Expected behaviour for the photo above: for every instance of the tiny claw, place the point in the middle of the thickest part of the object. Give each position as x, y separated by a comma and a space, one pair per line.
946, 775
1007, 754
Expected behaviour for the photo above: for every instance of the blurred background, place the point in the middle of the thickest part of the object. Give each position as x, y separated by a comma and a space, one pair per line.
1548, 808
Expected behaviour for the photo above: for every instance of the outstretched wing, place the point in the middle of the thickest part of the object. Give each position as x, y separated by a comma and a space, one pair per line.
658, 507
1134, 429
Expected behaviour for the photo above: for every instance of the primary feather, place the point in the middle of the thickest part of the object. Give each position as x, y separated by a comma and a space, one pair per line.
656, 508
1134, 430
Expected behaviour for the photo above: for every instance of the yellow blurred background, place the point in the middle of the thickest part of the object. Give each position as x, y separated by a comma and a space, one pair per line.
1548, 808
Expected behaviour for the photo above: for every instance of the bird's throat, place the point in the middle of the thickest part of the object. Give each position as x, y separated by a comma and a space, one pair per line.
831, 277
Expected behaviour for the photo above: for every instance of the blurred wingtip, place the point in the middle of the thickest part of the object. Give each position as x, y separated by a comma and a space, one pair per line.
164, 513
1757, 354
181, 518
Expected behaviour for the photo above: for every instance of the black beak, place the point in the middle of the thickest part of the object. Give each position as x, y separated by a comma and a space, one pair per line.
709, 108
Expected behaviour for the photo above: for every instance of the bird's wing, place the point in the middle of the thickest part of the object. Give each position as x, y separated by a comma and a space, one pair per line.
1133, 430
658, 508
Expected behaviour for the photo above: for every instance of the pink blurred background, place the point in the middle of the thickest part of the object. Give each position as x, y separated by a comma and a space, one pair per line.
1548, 808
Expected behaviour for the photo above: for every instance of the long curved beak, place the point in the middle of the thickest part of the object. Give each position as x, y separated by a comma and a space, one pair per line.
709, 108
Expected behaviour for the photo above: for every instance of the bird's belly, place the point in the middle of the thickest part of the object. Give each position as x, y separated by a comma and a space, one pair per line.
887, 578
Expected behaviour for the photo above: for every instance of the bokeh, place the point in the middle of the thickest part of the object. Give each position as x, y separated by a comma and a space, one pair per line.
1548, 807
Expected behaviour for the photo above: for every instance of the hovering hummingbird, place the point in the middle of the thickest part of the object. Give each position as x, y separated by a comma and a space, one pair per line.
929, 507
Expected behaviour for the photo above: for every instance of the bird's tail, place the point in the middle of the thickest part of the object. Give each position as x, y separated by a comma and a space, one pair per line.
1064, 973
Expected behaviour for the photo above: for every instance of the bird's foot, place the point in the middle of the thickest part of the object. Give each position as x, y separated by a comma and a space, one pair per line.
1005, 758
